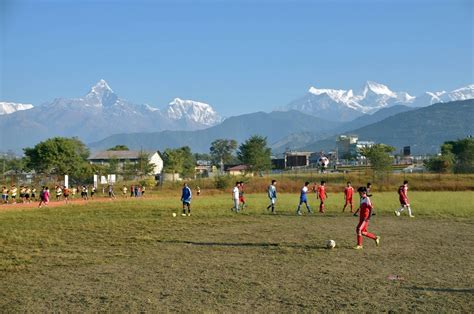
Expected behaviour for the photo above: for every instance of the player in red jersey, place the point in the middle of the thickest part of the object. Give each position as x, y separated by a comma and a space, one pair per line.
322, 195
403, 196
364, 217
348, 192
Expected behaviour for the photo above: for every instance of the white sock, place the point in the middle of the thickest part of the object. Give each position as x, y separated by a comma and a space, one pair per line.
401, 209
409, 210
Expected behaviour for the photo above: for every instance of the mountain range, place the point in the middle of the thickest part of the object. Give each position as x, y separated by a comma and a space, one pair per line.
273, 125
98, 114
423, 129
102, 114
11, 107
345, 105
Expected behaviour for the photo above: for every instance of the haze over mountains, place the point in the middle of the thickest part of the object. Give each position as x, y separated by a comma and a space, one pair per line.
102, 114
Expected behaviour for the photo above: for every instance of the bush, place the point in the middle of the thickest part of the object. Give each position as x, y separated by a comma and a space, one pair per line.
224, 182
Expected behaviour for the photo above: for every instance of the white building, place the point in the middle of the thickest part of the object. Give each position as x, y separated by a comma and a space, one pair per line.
122, 156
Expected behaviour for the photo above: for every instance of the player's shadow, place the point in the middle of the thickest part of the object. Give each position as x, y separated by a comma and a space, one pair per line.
456, 290
246, 244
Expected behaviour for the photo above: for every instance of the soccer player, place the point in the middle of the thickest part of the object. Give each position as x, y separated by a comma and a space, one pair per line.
403, 196
364, 217
304, 199
322, 195
241, 195
235, 197
272, 195
186, 196
348, 192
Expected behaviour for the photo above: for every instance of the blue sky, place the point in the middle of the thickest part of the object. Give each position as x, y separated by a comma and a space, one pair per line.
239, 56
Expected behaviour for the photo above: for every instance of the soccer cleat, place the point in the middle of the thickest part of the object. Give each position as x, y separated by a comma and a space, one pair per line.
411, 216
377, 241
397, 213
358, 247
189, 214
298, 213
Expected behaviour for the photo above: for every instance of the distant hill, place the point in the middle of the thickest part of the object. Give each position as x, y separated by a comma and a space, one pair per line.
423, 129
274, 126
296, 141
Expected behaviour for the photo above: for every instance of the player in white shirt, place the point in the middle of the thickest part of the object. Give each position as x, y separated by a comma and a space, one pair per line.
304, 199
235, 197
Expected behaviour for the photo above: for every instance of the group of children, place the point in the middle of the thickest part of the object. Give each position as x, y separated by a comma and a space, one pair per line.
25, 193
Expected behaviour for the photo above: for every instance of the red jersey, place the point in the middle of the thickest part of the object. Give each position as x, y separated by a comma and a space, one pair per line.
403, 193
365, 208
348, 192
322, 192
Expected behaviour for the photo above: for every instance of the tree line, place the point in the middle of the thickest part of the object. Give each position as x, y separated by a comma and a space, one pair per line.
60, 156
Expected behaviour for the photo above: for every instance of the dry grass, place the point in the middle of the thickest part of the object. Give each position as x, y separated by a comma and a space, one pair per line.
132, 255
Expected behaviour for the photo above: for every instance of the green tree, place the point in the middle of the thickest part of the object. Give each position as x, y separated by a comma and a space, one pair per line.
222, 151
59, 156
179, 160
189, 162
119, 147
455, 155
143, 165
113, 166
379, 156
255, 153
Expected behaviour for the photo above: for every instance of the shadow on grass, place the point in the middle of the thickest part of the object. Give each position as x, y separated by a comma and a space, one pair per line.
456, 290
246, 244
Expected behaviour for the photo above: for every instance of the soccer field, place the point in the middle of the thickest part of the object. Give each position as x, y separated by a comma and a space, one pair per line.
133, 255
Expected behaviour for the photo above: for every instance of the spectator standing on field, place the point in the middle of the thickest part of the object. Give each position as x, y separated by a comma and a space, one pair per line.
4, 195
111, 192
13, 192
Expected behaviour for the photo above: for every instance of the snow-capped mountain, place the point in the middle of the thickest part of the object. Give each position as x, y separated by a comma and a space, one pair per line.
197, 112
100, 113
11, 107
345, 105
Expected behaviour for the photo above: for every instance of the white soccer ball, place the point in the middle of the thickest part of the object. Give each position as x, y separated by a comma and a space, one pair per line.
330, 244
174, 214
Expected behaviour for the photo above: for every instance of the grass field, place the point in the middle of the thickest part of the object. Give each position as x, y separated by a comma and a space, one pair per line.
132, 255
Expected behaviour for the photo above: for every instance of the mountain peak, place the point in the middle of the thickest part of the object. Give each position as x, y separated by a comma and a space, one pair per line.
101, 94
101, 87
193, 111
377, 88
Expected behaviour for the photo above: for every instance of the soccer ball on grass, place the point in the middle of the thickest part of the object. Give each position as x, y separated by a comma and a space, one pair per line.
330, 244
